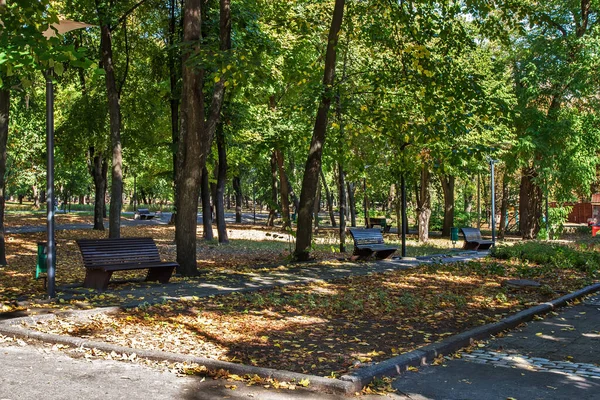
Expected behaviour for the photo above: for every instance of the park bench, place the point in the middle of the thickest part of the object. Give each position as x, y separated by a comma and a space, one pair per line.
369, 242
379, 221
143, 213
101, 257
474, 241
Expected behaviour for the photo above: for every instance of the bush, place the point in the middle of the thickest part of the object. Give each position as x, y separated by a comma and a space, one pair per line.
550, 254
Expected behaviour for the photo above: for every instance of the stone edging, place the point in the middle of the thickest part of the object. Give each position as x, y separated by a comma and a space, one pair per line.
347, 384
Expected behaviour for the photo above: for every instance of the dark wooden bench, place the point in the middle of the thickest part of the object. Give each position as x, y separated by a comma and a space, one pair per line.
379, 221
474, 241
368, 242
101, 257
143, 213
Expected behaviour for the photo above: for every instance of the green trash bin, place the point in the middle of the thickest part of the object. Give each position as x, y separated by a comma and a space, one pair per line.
454, 235
41, 260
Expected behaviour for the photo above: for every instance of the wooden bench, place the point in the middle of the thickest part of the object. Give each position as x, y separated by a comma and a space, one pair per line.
379, 221
474, 241
368, 242
101, 257
143, 213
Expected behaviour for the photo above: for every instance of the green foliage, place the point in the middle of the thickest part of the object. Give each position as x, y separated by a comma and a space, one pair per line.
548, 255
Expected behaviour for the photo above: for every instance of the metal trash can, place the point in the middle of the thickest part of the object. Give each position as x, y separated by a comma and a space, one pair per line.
454, 235
41, 259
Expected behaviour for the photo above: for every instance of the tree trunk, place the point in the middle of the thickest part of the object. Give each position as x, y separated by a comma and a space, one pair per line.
273, 205
504, 206
424, 205
352, 204
448, 182
291, 192
4, 119
206, 210
98, 169
175, 96
237, 188
530, 203
114, 111
36, 197
316, 208
329, 199
313, 162
343, 206
283, 187
221, 179
196, 133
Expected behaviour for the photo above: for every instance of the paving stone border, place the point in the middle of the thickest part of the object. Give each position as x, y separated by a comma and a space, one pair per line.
346, 384
506, 360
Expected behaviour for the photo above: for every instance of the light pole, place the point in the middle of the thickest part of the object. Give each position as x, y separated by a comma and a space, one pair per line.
61, 27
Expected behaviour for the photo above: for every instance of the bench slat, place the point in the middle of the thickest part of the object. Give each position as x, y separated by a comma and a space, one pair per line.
370, 241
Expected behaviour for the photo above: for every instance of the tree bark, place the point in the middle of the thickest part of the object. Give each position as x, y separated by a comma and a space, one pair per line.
424, 205
530, 203
313, 162
329, 199
36, 197
206, 210
504, 206
284, 195
4, 120
221, 179
291, 191
98, 169
316, 207
273, 205
352, 204
343, 206
196, 132
448, 182
237, 188
114, 111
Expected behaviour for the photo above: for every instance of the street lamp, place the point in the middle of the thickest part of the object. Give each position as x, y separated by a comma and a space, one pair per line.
61, 27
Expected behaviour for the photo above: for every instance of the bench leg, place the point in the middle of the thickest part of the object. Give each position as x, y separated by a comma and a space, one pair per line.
471, 246
97, 279
361, 254
162, 274
382, 255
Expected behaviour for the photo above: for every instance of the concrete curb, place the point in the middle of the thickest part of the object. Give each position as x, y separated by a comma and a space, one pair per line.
346, 384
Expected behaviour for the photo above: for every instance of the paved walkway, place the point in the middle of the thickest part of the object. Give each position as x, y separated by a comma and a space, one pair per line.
554, 358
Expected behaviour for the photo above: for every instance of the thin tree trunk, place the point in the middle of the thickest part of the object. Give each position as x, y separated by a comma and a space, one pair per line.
237, 188
206, 211
284, 195
448, 189
316, 208
504, 206
352, 204
273, 205
221, 179
343, 206
36, 197
4, 120
313, 162
291, 192
329, 199
424, 205
98, 169
114, 111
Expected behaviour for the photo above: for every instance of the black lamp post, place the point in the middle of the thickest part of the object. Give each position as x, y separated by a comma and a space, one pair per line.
62, 27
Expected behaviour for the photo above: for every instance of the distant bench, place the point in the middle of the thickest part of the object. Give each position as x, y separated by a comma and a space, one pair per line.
101, 257
369, 242
143, 213
381, 221
474, 241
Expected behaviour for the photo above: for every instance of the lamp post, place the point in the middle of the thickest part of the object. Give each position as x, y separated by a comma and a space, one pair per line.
61, 27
